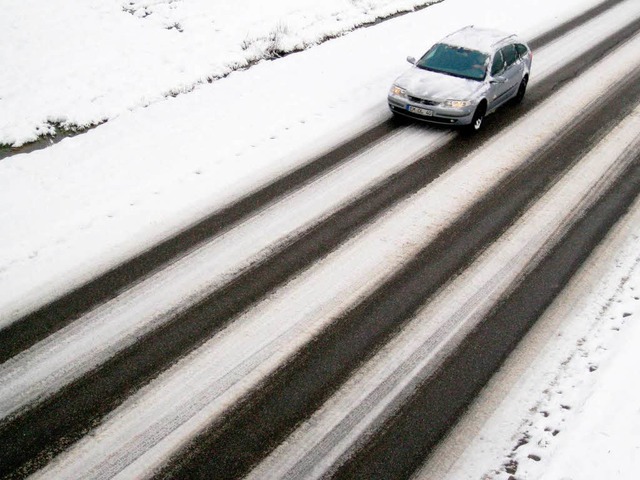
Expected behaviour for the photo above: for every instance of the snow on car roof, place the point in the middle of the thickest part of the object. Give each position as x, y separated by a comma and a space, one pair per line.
474, 38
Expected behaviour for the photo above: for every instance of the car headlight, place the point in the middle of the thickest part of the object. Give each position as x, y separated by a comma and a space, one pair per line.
457, 103
396, 91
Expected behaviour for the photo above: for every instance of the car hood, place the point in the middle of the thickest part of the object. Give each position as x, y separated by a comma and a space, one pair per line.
438, 86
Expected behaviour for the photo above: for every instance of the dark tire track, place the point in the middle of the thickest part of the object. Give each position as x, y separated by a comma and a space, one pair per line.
569, 25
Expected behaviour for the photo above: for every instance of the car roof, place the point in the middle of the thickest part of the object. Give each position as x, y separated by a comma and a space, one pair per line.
481, 39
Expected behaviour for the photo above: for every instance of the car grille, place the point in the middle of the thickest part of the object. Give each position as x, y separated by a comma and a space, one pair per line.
422, 101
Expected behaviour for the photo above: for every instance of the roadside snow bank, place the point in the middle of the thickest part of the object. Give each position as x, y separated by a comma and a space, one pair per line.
72, 65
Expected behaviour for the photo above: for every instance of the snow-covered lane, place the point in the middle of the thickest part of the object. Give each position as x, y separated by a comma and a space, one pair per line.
208, 373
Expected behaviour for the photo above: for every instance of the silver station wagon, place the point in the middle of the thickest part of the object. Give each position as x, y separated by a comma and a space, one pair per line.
463, 78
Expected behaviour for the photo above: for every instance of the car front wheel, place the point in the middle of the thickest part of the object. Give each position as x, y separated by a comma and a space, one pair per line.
478, 118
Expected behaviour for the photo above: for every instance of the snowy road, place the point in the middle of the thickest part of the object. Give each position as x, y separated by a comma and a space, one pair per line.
301, 338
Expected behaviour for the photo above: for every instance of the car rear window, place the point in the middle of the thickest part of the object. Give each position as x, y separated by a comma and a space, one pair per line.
456, 61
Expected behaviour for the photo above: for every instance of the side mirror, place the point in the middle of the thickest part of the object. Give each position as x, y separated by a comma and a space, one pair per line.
411, 60
498, 79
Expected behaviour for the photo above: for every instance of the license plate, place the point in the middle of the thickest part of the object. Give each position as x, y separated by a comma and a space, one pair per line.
420, 111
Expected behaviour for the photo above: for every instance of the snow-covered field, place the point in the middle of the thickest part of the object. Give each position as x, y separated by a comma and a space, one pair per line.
73, 65
81, 206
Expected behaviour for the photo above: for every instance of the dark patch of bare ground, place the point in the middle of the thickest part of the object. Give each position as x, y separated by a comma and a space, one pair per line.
46, 140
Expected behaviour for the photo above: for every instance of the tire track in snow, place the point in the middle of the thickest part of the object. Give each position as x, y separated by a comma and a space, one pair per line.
50, 318
407, 438
561, 30
99, 335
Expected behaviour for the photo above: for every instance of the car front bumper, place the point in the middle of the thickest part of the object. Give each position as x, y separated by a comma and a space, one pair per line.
439, 114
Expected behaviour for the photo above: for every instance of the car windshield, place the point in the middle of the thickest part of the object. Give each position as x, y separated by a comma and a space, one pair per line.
456, 61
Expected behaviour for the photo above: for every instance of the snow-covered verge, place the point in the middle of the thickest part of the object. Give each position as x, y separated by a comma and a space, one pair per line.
565, 404
73, 65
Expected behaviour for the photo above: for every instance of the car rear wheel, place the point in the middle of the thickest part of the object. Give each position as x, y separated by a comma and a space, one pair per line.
522, 89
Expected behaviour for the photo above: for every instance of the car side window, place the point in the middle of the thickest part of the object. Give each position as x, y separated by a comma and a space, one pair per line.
498, 63
521, 49
510, 55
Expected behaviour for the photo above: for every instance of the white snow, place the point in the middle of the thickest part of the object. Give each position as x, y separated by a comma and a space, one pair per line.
79, 64
481, 39
81, 206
